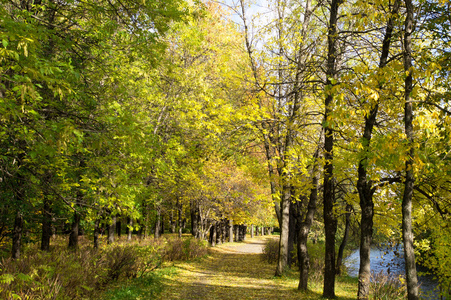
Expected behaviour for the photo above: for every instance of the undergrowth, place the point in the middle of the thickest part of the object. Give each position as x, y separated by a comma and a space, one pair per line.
86, 273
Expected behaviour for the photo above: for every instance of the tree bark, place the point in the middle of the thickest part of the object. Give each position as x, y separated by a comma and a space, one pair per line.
213, 235
230, 231
252, 231
193, 211
345, 239
96, 233
292, 234
129, 229
407, 232
303, 255
17, 235
180, 216
157, 224
73, 236
46, 224
330, 220
112, 230
284, 231
172, 222
118, 226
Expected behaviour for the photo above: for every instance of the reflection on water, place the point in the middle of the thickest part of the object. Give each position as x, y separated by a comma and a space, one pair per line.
391, 260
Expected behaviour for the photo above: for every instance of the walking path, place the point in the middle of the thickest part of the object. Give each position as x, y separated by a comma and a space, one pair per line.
231, 271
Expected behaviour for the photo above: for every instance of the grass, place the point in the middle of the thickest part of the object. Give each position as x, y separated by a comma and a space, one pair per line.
226, 273
145, 287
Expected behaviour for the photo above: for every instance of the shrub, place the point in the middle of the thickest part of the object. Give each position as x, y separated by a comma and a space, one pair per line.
81, 274
316, 256
271, 250
188, 249
386, 287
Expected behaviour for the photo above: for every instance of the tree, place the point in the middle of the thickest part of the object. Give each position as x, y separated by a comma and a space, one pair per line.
407, 231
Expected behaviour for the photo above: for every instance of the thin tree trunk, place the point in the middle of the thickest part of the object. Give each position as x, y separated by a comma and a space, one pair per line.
112, 230
224, 230
303, 255
284, 231
345, 239
172, 222
407, 232
46, 224
230, 231
252, 231
73, 236
96, 233
129, 229
157, 224
330, 220
218, 227
213, 235
180, 221
292, 234
193, 211
363, 185
17, 235
118, 226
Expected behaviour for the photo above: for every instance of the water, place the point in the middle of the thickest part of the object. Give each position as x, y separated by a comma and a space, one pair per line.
391, 260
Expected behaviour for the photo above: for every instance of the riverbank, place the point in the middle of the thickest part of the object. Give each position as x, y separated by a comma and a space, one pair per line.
389, 261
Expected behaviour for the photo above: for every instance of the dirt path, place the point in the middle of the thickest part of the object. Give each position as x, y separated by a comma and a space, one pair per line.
232, 271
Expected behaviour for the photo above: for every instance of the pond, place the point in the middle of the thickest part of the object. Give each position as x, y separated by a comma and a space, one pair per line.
391, 260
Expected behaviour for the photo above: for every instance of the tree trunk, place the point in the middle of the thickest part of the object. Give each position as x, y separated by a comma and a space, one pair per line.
118, 226
230, 231
157, 224
129, 228
213, 235
284, 231
112, 230
46, 224
363, 185
172, 222
252, 231
193, 211
407, 233
17, 235
330, 220
292, 234
218, 232
180, 220
96, 233
73, 236
345, 239
303, 255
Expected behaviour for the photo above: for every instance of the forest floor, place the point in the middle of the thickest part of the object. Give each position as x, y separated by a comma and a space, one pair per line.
237, 271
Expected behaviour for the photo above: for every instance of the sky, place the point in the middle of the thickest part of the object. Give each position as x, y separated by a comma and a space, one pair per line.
258, 10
